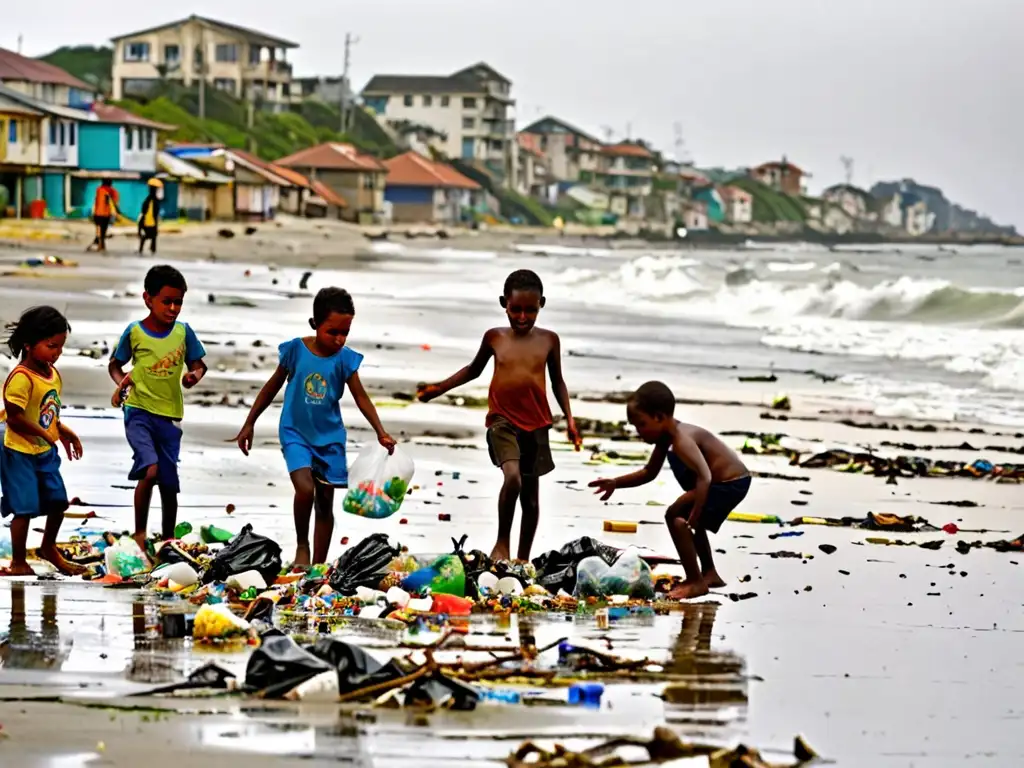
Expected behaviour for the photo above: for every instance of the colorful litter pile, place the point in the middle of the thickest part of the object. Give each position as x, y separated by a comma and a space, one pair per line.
872, 464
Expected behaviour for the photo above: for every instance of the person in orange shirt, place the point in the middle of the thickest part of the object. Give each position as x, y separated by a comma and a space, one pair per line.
518, 414
104, 209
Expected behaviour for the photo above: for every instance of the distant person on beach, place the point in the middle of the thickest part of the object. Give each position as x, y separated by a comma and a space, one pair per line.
714, 479
149, 218
518, 414
30, 479
104, 209
160, 349
313, 436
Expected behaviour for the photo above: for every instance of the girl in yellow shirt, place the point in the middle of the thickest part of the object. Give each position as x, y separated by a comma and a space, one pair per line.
30, 479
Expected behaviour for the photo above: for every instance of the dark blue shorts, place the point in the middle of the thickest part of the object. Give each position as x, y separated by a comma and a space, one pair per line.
32, 485
155, 441
722, 499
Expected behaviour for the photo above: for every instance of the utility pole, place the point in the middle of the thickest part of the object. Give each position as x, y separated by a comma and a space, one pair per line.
847, 167
201, 66
350, 40
21, 39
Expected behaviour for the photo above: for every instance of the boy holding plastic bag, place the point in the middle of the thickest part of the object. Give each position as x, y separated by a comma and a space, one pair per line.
312, 434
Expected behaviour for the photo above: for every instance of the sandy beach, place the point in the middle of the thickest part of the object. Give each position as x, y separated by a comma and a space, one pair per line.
877, 655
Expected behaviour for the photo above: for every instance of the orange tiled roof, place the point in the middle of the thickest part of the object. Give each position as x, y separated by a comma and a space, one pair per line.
15, 67
626, 149
731, 192
414, 170
332, 156
777, 164
329, 195
108, 113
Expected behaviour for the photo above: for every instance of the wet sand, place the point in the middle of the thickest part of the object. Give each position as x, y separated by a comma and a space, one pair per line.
890, 658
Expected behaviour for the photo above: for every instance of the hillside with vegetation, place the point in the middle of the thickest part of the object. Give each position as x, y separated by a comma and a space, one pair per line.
89, 63
770, 205
227, 119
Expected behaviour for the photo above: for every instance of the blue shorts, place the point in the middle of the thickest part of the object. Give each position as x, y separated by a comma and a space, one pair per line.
327, 462
155, 441
32, 485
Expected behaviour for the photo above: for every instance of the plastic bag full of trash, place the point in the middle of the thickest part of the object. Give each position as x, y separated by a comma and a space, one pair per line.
629, 575
378, 482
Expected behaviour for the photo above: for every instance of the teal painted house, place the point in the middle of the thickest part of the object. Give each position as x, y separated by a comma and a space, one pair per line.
713, 200
117, 144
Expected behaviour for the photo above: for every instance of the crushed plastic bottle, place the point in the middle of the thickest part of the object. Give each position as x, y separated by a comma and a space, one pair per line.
182, 529
586, 695
211, 534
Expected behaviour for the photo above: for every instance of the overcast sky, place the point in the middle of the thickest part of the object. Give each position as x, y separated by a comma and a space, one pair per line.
929, 89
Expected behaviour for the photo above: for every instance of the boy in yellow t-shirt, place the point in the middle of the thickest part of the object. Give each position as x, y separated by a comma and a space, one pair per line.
29, 461
159, 349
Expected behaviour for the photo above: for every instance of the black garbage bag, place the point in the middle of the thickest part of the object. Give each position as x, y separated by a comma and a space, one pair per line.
438, 690
557, 569
248, 551
363, 565
280, 664
473, 563
205, 677
356, 668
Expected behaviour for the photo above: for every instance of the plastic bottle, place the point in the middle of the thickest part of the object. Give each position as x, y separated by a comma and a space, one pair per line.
211, 534
499, 696
182, 529
452, 604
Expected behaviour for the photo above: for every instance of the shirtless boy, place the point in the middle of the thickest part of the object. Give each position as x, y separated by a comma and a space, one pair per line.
714, 479
518, 414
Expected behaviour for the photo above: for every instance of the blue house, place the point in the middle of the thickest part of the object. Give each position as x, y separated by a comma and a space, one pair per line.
119, 145
713, 200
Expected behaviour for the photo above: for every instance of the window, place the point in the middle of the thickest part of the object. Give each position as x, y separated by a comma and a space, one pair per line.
255, 52
49, 93
226, 52
445, 101
172, 54
62, 133
407, 100
129, 139
53, 133
12, 132
428, 101
368, 181
226, 84
136, 52
72, 131
468, 122
469, 103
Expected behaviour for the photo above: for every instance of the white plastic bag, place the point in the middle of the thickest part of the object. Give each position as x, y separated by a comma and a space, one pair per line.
125, 558
629, 575
378, 482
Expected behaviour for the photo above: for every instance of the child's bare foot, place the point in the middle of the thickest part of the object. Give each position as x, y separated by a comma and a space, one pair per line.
17, 569
713, 580
500, 552
688, 590
140, 539
302, 556
53, 556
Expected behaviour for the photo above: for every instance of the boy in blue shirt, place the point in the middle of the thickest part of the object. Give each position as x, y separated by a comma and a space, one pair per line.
159, 349
312, 433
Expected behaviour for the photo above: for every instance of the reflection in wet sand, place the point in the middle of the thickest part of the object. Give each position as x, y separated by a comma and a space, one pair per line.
24, 648
702, 678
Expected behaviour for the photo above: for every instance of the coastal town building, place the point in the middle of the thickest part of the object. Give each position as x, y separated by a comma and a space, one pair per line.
781, 175
695, 216
469, 111
626, 173
855, 201
245, 63
422, 190
533, 177
199, 194
355, 176
711, 199
739, 205
572, 154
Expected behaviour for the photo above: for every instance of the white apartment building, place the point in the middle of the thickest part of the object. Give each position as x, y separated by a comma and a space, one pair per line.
243, 62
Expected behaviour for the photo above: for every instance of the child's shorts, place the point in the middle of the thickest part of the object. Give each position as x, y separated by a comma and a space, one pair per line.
722, 499
327, 462
32, 485
506, 442
155, 440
